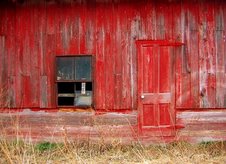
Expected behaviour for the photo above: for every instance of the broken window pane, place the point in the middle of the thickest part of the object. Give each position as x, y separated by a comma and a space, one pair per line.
83, 100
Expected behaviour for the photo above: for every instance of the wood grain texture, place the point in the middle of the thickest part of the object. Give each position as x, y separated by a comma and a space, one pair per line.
36, 32
54, 126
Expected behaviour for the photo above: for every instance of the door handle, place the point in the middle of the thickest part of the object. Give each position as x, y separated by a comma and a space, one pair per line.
142, 96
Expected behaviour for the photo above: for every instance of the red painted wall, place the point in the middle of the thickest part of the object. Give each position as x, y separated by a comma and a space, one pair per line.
32, 35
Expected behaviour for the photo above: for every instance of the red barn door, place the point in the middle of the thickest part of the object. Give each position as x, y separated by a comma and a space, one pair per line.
156, 88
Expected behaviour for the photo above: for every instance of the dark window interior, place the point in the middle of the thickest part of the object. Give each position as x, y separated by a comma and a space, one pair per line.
65, 87
74, 81
65, 101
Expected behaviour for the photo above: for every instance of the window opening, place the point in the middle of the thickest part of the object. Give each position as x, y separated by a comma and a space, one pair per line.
74, 81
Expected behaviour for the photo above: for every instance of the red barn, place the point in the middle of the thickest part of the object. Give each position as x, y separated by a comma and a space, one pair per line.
153, 69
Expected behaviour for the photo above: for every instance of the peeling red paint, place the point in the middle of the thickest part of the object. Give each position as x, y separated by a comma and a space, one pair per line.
33, 33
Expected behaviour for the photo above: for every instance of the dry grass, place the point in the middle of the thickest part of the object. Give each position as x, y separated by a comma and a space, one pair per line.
87, 152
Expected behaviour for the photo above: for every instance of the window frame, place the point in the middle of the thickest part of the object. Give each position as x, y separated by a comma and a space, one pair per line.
74, 81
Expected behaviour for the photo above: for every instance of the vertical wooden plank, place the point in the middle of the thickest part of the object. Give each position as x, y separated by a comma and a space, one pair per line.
53, 39
26, 84
207, 56
65, 29
74, 25
168, 18
132, 27
178, 71
50, 19
220, 60
185, 60
156, 78
176, 21
3, 73
82, 28
10, 19
99, 65
125, 59
203, 72
118, 59
43, 92
91, 27
1, 20
24, 34
34, 73
211, 59
109, 55
37, 51
160, 21
177, 35
90, 40
47, 20
11, 70
172, 104
60, 29
19, 57
26, 56
45, 26
50, 70
194, 53
7, 20
194, 69
145, 14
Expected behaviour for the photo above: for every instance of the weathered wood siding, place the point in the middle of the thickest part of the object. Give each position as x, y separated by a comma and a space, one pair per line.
32, 35
107, 127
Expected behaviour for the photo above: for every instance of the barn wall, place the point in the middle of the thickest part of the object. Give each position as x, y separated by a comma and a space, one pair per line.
31, 36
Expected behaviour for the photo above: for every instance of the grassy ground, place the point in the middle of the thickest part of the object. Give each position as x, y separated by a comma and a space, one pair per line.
87, 152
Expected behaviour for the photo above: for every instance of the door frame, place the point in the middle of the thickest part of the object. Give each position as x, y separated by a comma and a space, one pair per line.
147, 43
